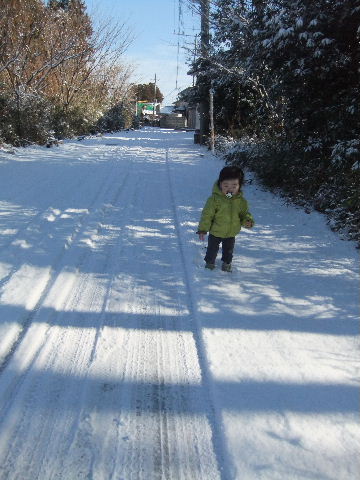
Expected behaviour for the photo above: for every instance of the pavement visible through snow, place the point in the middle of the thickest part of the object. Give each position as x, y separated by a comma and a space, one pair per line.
122, 358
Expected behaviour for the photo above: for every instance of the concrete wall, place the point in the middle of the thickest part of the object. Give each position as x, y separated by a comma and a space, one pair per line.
172, 121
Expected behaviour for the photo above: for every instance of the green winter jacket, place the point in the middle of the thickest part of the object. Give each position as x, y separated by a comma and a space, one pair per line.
223, 216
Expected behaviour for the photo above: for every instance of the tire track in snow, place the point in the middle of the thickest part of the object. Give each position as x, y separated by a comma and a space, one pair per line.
32, 223
122, 402
82, 425
85, 220
151, 426
49, 353
40, 221
133, 459
166, 399
220, 449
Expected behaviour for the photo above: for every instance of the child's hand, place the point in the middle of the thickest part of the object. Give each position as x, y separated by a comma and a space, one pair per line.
202, 236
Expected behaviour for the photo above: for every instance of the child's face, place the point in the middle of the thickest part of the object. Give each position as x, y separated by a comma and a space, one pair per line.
230, 186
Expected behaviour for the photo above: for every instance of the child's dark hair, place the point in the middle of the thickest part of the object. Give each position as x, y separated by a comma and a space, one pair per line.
231, 173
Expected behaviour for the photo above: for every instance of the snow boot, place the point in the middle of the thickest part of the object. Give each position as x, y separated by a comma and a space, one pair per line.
210, 266
226, 267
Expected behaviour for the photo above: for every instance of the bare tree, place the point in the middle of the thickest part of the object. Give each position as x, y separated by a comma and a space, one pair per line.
54, 53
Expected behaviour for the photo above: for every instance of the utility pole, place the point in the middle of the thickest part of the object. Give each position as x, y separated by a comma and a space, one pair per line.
212, 126
194, 57
204, 49
154, 102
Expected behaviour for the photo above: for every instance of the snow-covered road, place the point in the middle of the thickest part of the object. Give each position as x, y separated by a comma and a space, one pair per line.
122, 358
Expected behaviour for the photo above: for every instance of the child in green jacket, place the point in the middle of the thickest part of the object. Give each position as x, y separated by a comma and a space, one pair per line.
225, 212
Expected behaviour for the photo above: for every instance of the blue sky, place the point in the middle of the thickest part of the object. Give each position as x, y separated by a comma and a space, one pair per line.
155, 47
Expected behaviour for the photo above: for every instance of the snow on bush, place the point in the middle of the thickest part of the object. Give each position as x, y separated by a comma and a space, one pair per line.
279, 167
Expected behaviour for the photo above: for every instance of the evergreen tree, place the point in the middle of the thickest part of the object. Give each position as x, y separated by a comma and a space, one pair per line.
146, 92
289, 66
287, 72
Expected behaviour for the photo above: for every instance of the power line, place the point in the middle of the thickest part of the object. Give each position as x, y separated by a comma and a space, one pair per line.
179, 31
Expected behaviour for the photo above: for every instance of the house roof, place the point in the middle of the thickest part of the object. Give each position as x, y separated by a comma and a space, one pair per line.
166, 110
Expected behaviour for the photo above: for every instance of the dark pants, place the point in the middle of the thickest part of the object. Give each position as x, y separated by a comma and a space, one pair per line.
213, 248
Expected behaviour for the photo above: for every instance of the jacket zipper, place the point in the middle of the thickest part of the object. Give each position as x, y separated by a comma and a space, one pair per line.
231, 215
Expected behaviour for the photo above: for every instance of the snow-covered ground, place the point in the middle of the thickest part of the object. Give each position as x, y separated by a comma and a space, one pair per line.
122, 358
